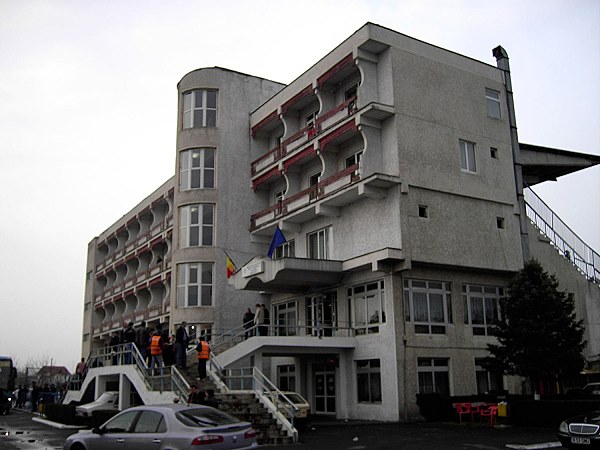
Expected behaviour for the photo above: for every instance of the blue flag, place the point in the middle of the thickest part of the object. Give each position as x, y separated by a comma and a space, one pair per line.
278, 239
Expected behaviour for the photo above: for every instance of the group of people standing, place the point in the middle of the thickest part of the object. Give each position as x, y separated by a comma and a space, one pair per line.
256, 323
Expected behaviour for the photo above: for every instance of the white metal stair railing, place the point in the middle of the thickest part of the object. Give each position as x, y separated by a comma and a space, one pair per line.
567, 243
283, 410
129, 354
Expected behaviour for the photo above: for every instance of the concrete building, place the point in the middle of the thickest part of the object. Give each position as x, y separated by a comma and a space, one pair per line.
394, 171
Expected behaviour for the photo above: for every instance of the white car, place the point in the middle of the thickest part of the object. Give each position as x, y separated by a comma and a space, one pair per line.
108, 400
592, 389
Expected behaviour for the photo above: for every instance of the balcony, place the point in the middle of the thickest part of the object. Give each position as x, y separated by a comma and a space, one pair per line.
324, 198
302, 136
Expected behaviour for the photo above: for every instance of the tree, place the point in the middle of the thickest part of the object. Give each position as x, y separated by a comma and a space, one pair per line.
539, 337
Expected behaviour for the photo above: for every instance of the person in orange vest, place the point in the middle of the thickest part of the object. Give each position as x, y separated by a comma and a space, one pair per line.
156, 348
203, 356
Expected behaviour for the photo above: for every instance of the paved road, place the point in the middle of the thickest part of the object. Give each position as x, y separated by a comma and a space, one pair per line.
25, 434
419, 436
19, 431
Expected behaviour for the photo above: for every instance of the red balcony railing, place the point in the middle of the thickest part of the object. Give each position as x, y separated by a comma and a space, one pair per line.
316, 192
309, 131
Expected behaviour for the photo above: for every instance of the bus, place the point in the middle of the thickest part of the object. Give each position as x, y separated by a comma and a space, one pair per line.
8, 373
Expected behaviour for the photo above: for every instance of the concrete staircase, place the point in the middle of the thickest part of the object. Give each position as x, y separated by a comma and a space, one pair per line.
245, 406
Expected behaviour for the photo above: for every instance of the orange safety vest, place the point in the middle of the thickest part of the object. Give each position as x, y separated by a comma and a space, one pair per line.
155, 346
204, 350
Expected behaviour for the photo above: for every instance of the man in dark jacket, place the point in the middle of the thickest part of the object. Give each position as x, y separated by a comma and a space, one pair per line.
142, 339
182, 340
128, 340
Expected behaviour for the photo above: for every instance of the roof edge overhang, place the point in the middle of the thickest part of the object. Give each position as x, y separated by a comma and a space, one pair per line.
541, 164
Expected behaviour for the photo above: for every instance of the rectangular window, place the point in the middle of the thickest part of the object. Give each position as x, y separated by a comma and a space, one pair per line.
286, 250
368, 380
319, 244
286, 318
423, 211
353, 160
313, 182
197, 169
494, 152
196, 223
428, 305
492, 100
286, 377
467, 156
487, 381
433, 376
366, 303
482, 307
311, 118
200, 109
194, 284
500, 222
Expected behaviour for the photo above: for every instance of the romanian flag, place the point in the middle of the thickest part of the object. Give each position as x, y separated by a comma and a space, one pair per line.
230, 267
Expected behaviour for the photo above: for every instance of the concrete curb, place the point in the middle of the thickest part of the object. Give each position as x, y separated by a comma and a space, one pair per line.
61, 426
534, 446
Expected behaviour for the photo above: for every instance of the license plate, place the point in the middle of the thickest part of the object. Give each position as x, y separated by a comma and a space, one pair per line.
580, 440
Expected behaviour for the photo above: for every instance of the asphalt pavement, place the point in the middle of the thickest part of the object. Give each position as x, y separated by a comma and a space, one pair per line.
19, 430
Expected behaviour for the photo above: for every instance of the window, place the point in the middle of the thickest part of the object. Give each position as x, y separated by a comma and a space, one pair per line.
368, 380
428, 304
122, 423
196, 225
349, 94
433, 376
492, 100
353, 160
467, 156
487, 381
482, 307
286, 250
286, 318
366, 303
150, 422
286, 376
197, 169
313, 182
200, 109
311, 118
318, 244
494, 152
500, 222
423, 211
194, 284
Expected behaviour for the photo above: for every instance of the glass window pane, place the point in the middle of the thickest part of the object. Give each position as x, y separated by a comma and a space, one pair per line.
198, 118
209, 179
206, 295
192, 296
436, 308
211, 118
425, 382
193, 275
194, 238
207, 235
207, 273
148, 422
196, 179
209, 157
477, 310
207, 214
211, 99
420, 307
187, 101
198, 98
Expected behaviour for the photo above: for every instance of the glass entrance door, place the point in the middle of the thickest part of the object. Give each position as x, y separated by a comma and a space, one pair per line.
321, 314
324, 379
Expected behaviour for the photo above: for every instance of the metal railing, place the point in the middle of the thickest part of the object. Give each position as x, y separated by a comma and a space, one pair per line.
568, 244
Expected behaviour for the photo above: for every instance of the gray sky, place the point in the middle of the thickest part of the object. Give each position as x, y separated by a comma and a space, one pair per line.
88, 105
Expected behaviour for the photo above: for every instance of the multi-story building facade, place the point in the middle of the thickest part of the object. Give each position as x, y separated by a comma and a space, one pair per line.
394, 171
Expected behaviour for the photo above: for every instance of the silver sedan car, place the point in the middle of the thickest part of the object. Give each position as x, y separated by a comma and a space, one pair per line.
162, 427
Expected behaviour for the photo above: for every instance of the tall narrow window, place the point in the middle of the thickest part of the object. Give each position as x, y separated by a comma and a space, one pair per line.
428, 304
286, 250
196, 223
487, 381
318, 244
368, 380
313, 182
194, 284
197, 169
200, 109
433, 375
482, 307
366, 303
492, 100
467, 156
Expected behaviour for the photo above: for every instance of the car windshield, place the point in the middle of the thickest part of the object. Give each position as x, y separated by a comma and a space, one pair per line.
205, 417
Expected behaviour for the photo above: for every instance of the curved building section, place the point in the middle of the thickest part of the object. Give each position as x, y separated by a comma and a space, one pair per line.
212, 196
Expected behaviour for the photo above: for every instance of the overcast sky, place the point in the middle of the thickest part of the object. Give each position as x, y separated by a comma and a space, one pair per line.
88, 108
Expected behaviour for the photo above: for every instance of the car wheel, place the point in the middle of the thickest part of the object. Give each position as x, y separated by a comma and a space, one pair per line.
77, 446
